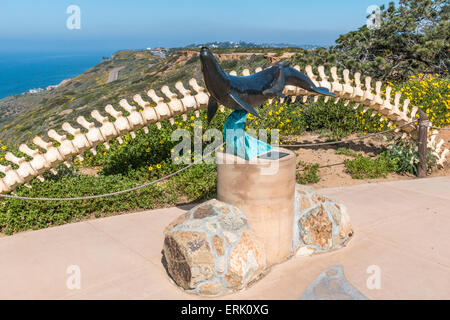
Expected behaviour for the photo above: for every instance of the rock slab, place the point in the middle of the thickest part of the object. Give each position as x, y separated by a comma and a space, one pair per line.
211, 250
321, 224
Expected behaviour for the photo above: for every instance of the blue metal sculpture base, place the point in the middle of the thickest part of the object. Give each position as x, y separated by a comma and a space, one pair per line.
240, 143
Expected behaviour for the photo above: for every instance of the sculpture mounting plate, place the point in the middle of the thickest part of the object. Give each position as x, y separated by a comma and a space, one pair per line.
273, 155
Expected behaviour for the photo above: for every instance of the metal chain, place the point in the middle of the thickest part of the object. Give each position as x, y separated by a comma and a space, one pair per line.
122, 191
330, 165
344, 141
438, 128
112, 193
179, 171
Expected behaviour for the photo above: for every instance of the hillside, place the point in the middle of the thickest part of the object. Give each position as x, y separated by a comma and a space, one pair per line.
26, 115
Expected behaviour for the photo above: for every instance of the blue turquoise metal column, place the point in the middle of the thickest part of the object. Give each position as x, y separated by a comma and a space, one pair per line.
240, 143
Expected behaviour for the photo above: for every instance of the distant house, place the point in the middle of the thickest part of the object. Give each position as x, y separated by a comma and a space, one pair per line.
161, 52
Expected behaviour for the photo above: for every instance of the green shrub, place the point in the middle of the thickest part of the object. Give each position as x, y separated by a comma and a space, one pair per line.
308, 173
368, 168
406, 157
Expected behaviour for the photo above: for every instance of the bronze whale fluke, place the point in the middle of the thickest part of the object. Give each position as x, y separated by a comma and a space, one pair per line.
250, 91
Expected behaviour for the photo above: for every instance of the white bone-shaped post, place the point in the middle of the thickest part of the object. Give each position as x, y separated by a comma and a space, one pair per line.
400, 116
122, 125
259, 69
161, 108
336, 86
439, 145
25, 171
94, 135
11, 179
107, 128
53, 156
432, 141
79, 139
3, 187
201, 97
188, 100
377, 101
135, 118
233, 73
368, 95
311, 75
290, 90
405, 107
66, 147
405, 116
395, 113
313, 78
414, 111
148, 112
358, 92
369, 111
38, 161
245, 72
324, 81
386, 106
347, 87
442, 158
175, 105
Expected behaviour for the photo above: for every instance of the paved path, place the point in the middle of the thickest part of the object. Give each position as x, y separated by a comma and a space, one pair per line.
401, 228
114, 74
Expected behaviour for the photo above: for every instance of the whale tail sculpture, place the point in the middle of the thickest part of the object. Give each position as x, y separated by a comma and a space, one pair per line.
245, 93
288, 76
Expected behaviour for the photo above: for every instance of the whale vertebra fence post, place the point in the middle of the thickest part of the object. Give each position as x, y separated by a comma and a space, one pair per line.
423, 134
345, 88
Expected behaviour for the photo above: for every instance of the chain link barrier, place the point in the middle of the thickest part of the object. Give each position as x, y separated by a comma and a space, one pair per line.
438, 128
347, 140
191, 165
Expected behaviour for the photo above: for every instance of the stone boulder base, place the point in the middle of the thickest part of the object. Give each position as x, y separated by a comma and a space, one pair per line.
320, 225
211, 250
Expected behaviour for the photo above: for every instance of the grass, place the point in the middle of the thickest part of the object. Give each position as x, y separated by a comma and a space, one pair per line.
308, 173
346, 152
369, 168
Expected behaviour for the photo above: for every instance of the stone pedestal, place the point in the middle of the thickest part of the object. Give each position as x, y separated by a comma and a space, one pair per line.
264, 189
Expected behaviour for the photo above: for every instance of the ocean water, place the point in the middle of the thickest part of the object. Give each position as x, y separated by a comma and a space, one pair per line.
22, 71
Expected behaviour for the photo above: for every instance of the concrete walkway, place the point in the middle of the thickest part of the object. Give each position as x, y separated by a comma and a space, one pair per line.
402, 230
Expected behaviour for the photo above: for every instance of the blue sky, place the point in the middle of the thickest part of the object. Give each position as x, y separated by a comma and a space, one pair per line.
132, 24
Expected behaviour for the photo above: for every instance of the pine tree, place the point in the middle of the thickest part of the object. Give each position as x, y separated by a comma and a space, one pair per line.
412, 38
